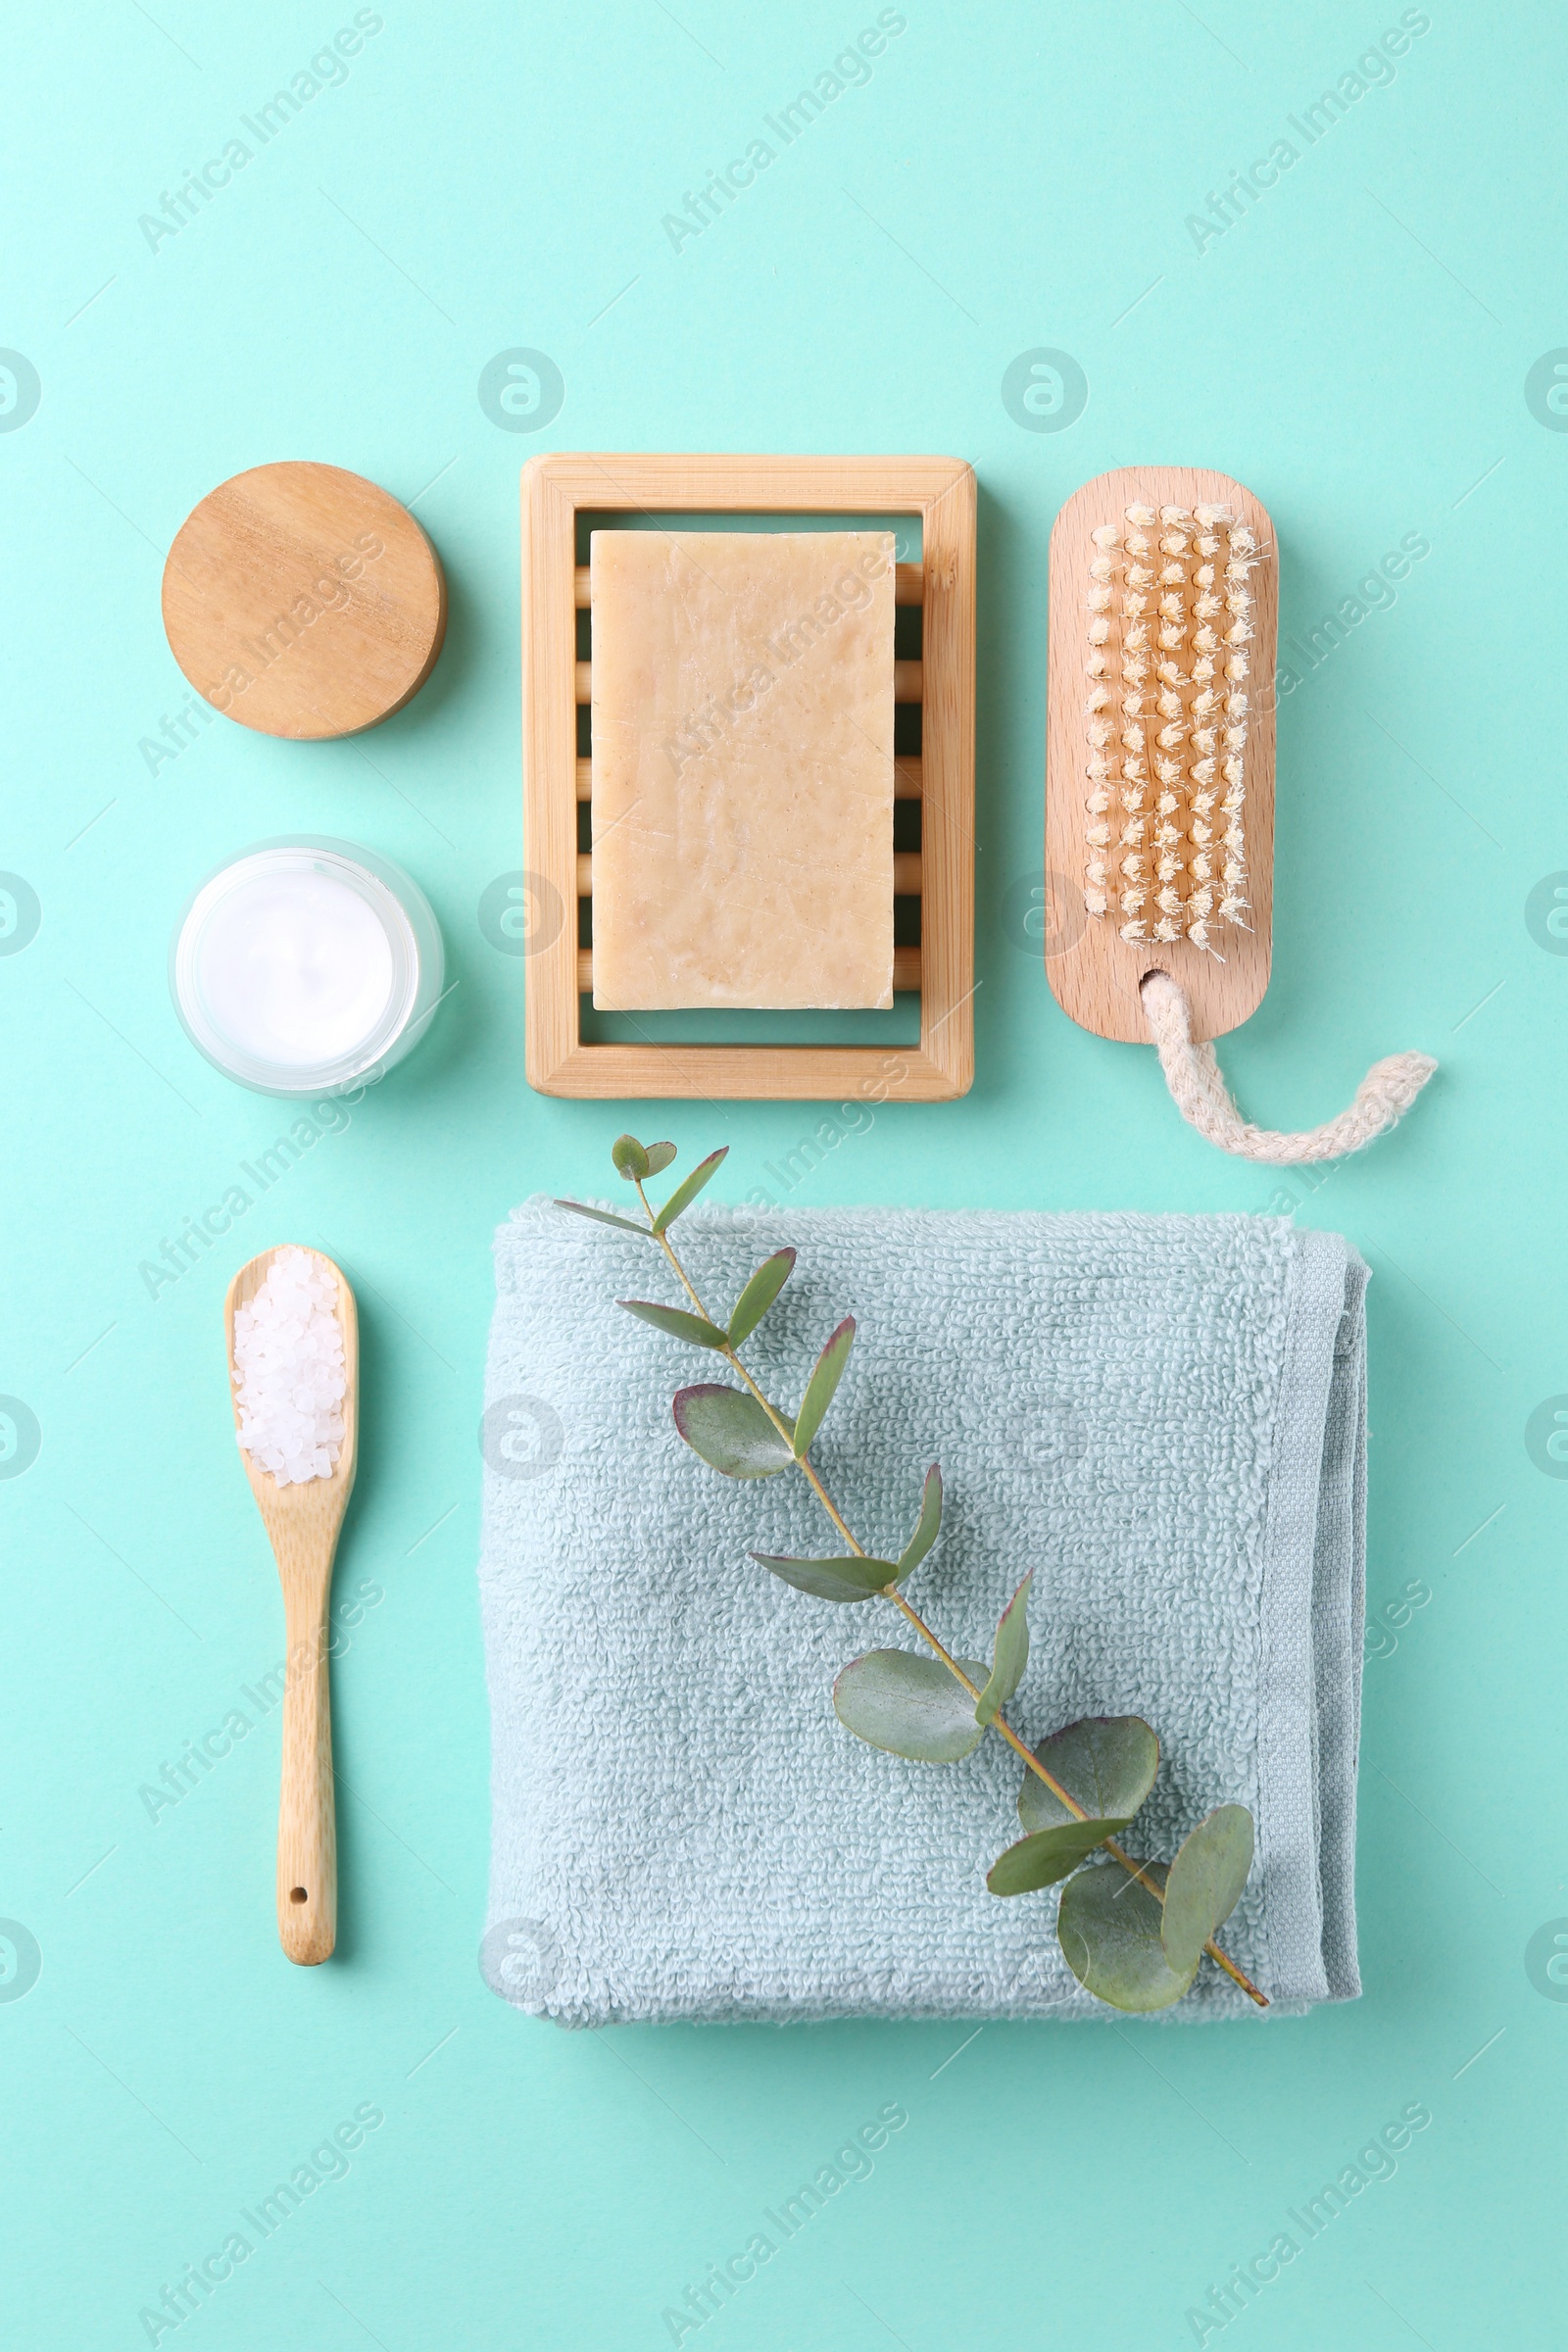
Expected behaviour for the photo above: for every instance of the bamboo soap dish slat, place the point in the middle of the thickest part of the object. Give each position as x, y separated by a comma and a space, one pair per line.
941, 492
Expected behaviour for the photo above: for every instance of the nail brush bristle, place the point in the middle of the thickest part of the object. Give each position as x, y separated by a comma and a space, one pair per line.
1170, 611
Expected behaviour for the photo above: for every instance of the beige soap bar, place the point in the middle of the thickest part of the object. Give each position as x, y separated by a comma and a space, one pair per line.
742, 768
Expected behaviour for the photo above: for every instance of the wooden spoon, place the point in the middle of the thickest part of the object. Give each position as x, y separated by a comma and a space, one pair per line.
302, 1522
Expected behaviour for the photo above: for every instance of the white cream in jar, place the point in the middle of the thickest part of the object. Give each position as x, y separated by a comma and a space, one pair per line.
307, 966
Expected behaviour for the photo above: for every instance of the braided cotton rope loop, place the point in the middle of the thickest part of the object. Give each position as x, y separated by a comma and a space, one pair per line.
1200, 1093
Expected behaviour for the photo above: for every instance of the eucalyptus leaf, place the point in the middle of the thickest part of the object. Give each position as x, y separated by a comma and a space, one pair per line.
1204, 1883
602, 1216
849, 1579
1108, 1925
659, 1156
1010, 1657
629, 1158
685, 1194
760, 1293
675, 1321
1047, 1855
1107, 1763
826, 1374
927, 1526
909, 1705
730, 1430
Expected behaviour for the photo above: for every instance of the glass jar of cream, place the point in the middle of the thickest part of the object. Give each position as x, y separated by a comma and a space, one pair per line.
307, 966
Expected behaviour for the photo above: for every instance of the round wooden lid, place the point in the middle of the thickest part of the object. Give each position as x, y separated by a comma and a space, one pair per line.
304, 601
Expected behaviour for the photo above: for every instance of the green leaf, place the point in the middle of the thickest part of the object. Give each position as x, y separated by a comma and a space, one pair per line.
1108, 1925
760, 1293
602, 1216
912, 1707
731, 1431
848, 1579
1204, 1883
659, 1156
930, 1521
685, 1194
629, 1158
826, 1374
1047, 1856
675, 1321
1010, 1659
1106, 1762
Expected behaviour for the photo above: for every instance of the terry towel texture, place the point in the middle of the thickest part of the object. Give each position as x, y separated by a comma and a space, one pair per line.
1163, 1416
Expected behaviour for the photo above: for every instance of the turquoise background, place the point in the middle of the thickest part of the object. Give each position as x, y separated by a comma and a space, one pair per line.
1355, 349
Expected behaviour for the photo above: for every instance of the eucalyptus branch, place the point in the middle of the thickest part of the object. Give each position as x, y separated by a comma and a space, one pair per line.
803, 1462
1140, 1955
998, 1722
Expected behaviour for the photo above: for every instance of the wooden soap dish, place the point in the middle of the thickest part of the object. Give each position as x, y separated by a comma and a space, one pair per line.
940, 492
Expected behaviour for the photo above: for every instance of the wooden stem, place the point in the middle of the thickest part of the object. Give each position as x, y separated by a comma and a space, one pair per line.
306, 1823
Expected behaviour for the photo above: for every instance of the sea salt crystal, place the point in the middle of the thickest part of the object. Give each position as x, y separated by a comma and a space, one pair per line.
289, 1371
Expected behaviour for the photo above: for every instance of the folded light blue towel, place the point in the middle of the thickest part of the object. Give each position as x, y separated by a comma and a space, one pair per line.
1163, 1416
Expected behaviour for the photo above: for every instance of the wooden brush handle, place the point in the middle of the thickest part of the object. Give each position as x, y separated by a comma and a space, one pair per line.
306, 1822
